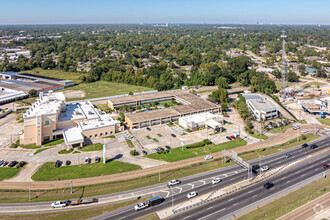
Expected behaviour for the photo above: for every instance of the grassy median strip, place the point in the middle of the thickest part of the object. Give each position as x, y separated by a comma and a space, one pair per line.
189, 152
8, 172
289, 202
129, 143
152, 216
13, 196
325, 121
49, 172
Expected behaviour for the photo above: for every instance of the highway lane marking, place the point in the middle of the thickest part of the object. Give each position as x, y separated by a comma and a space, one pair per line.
282, 178
288, 181
122, 217
230, 199
180, 189
203, 181
209, 208
168, 193
254, 195
192, 185
212, 213
250, 192
303, 175
232, 179
235, 204
187, 217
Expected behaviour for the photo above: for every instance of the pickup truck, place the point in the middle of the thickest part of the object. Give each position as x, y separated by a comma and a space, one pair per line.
152, 201
60, 204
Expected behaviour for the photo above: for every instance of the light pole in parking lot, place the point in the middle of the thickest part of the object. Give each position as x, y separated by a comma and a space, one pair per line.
104, 149
182, 145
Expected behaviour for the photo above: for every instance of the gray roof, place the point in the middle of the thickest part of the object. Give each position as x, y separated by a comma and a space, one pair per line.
9, 73
262, 105
251, 96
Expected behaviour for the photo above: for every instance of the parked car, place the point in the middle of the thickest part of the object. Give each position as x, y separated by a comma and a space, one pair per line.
5, 164
173, 135
161, 149
232, 137
275, 125
229, 138
269, 126
304, 130
313, 146
208, 157
88, 160
156, 149
227, 116
283, 123
216, 180
255, 167
58, 163
144, 152
149, 129
288, 155
327, 129
168, 147
97, 159
264, 168
174, 182
304, 145
191, 195
269, 185
326, 166
68, 162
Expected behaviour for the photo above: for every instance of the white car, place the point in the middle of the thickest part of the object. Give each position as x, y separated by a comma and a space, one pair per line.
174, 182
264, 168
191, 195
304, 130
327, 129
59, 204
216, 180
208, 157
141, 206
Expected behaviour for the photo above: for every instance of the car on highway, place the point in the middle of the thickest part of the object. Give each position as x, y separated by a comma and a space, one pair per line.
304, 130
264, 168
255, 167
288, 155
269, 185
192, 194
313, 146
60, 204
141, 206
304, 145
232, 137
208, 157
326, 166
216, 180
144, 152
327, 129
174, 182
229, 138
173, 135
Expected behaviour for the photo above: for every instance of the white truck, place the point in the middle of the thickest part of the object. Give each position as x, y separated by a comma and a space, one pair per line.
141, 206
60, 204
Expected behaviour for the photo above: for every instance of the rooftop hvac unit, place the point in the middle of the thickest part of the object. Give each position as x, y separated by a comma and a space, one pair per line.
90, 112
102, 123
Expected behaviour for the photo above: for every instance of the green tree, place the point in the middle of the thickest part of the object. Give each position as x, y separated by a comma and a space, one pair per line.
32, 93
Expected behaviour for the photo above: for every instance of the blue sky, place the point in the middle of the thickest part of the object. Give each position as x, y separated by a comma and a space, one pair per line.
163, 11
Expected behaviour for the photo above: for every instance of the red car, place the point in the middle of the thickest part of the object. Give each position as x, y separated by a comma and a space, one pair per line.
227, 116
326, 166
232, 137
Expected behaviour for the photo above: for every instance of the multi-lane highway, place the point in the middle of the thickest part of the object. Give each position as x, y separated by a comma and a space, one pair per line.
200, 183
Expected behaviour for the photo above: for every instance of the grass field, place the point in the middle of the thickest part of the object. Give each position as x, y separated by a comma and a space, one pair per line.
30, 146
41, 150
8, 172
261, 137
51, 143
312, 83
289, 202
178, 154
103, 88
280, 129
60, 74
152, 216
92, 147
85, 213
279, 85
130, 144
324, 121
65, 151
49, 172
13, 196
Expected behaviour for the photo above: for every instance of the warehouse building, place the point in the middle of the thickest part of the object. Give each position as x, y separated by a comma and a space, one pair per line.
50, 118
199, 121
191, 104
261, 108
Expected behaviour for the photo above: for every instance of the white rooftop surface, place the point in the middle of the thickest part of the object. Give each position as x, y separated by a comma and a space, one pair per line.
201, 117
213, 124
104, 121
249, 96
50, 103
12, 95
73, 136
262, 105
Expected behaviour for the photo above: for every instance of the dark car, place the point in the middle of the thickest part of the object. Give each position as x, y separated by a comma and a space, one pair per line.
149, 129
68, 162
156, 149
288, 155
313, 146
269, 185
58, 163
229, 138
326, 166
254, 167
173, 135
161, 149
168, 147
88, 160
304, 145
4, 164
144, 152
97, 159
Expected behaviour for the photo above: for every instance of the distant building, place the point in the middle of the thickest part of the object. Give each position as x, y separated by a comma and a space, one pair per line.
201, 120
261, 108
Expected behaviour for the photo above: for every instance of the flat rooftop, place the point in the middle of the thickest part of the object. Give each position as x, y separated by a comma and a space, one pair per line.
104, 121
79, 110
39, 76
310, 107
262, 105
250, 96
201, 117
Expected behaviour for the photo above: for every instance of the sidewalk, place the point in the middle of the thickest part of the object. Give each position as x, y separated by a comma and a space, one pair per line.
316, 209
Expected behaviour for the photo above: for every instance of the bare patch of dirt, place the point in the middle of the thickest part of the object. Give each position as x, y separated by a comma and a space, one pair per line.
70, 94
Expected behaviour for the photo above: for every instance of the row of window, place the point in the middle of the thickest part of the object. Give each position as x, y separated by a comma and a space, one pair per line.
101, 134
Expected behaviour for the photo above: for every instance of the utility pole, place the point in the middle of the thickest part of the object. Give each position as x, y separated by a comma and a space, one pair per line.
159, 177
30, 192
284, 74
297, 135
182, 145
314, 125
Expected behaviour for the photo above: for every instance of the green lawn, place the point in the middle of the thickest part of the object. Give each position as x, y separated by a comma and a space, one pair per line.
60, 74
262, 137
49, 172
280, 129
92, 147
30, 146
110, 136
177, 153
41, 150
148, 137
289, 202
155, 140
312, 83
8, 172
324, 121
51, 143
65, 151
103, 88
279, 85
130, 144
